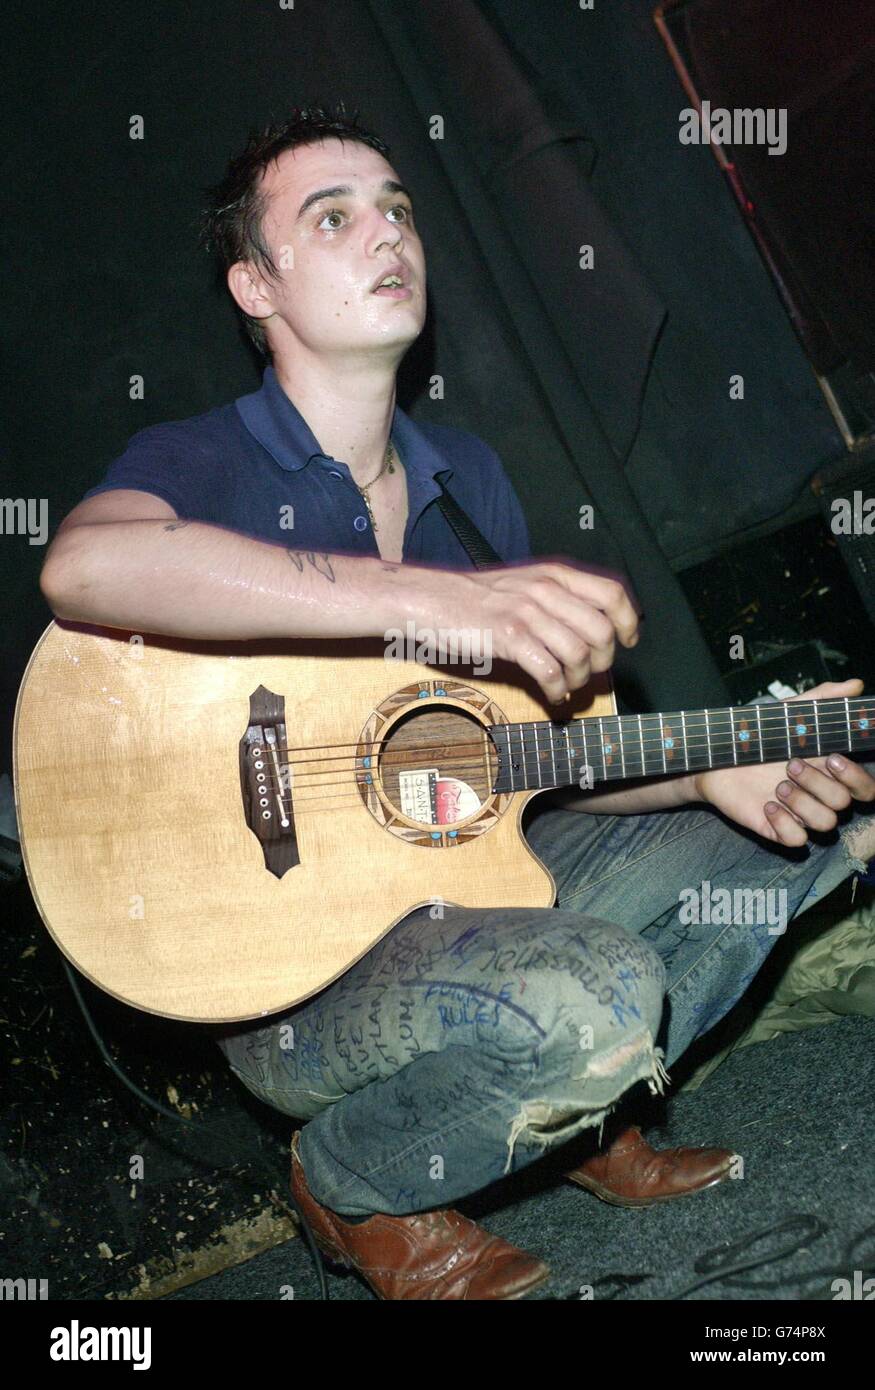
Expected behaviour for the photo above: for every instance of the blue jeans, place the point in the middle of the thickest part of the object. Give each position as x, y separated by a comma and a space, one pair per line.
467, 1043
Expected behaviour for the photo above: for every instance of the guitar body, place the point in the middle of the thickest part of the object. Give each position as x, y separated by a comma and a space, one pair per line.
185, 882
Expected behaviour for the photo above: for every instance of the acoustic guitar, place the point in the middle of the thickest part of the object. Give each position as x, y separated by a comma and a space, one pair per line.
216, 831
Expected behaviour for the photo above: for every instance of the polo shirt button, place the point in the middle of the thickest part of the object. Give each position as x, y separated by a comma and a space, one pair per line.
360, 523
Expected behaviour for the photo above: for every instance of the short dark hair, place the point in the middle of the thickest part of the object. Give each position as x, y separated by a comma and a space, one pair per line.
231, 220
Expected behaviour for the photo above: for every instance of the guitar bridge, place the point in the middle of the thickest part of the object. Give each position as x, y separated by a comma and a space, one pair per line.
266, 781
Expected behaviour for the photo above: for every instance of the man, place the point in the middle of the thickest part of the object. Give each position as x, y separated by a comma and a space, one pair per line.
466, 1043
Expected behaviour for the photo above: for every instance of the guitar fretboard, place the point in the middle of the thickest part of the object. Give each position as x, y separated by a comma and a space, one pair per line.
614, 747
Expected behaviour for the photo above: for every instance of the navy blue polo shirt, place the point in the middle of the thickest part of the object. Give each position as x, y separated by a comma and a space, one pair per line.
255, 466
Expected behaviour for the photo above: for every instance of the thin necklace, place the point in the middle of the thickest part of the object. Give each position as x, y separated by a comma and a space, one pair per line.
365, 489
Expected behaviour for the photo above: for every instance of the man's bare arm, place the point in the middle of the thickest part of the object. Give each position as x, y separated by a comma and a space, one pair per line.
125, 559
650, 794
193, 579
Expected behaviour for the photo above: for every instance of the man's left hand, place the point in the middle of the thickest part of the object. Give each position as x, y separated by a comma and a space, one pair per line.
782, 801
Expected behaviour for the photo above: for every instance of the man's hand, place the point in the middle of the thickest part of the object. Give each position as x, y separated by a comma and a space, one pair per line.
556, 620
781, 801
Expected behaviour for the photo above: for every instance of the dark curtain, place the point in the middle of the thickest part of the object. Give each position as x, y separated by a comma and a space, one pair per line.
582, 336
603, 388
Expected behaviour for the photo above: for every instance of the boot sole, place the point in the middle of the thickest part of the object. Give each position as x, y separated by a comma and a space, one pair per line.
346, 1266
605, 1195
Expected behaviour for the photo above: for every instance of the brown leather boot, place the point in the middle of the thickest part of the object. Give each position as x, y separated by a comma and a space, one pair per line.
429, 1255
629, 1173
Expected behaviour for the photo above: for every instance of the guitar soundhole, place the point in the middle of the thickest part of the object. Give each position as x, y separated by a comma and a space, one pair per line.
426, 765
438, 766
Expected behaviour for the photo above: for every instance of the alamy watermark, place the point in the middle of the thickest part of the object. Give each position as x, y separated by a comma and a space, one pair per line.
852, 516
25, 516
441, 646
24, 1289
78, 1343
739, 126
860, 1289
721, 907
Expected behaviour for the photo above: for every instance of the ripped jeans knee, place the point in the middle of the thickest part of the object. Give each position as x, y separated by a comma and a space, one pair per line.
547, 1121
858, 843
600, 1042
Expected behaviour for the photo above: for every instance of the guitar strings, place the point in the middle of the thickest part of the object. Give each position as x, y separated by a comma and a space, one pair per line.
713, 722
411, 754
489, 771
353, 797
526, 767
771, 724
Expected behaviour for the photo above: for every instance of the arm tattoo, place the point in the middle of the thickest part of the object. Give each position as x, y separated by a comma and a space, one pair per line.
321, 563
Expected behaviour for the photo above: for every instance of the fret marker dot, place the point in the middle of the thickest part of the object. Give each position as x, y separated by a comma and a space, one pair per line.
801, 729
744, 735
863, 723
608, 748
669, 742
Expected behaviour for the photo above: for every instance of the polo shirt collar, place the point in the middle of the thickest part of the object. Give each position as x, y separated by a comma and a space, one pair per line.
279, 426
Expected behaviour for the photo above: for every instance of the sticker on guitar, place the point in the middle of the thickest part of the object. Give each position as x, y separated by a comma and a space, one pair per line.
430, 799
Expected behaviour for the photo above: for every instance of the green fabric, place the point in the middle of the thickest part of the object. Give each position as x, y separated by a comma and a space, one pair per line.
825, 969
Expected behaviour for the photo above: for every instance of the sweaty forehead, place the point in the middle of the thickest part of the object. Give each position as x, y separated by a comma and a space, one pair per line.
329, 163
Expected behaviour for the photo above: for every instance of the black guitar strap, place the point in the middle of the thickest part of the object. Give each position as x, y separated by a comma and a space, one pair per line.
471, 540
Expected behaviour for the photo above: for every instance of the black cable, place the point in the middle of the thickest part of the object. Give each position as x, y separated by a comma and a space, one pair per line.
200, 1128
812, 1229
807, 1228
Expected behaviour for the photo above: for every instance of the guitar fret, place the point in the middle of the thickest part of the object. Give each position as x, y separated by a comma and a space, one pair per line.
641, 741
732, 736
586, 762
708, 739
553, 756
848, 722
805, 719
605, 741
599, 735
598, 731
537, 756
771, 731
759, 729
686, 749
642, 737
522, 753
787, 722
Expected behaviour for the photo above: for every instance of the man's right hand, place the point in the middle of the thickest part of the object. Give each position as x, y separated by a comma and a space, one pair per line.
556, 620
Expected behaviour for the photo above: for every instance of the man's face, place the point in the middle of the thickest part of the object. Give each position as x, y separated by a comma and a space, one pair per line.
332, 250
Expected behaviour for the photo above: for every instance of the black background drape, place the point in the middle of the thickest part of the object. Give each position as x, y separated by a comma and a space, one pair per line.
607, 387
